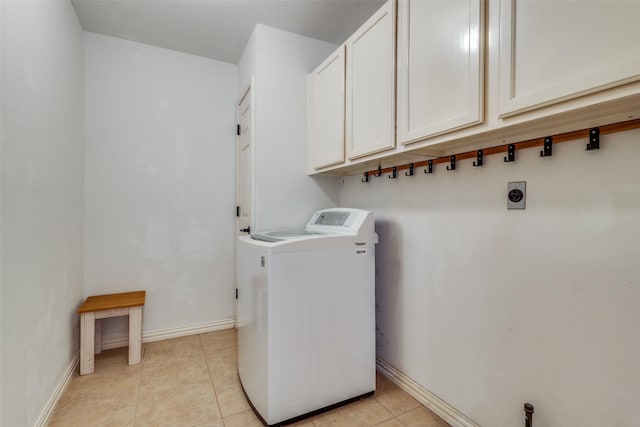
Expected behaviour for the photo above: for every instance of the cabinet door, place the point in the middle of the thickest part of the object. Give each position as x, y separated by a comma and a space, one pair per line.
326, 112
552, 51
440, 67
370, 122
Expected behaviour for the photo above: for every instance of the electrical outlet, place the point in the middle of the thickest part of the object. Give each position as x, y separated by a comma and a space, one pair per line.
516, 195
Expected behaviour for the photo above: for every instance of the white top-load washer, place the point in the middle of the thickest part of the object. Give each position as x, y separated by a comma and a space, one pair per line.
306, 314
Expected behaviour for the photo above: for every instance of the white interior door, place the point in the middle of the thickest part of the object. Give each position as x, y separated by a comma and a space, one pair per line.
244, 189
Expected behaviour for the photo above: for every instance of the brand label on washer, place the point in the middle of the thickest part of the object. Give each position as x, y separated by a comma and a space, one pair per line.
261, 261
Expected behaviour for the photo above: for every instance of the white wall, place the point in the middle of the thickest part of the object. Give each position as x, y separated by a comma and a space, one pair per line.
490, 308
284, 196
1, 139
248, 63
42, 202
160, 181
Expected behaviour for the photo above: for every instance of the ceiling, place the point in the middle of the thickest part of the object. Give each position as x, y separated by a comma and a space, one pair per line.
220, 29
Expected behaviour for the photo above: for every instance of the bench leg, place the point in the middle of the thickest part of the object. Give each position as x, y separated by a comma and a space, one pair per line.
87, 346
98, 337
135, 335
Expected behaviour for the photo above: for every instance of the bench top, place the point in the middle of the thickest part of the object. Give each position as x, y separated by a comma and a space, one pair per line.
111, 301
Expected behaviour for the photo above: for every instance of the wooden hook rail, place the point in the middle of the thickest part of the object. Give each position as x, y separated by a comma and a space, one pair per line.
509, 149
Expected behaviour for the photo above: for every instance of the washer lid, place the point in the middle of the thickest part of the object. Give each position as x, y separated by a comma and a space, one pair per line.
280, 235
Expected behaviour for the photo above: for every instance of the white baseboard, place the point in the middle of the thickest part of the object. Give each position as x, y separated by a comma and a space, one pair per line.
43, 419
120, 340
424, 396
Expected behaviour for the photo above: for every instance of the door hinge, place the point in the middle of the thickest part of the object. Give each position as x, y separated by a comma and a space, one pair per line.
238, 211
238, 130
236, 293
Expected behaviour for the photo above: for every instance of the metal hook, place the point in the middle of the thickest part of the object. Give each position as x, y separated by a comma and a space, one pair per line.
528, 410
479, 158
429, 168
594, 139
379, 173
411, 171
547, 148
452, 167
366, 177
394, 173
511, 153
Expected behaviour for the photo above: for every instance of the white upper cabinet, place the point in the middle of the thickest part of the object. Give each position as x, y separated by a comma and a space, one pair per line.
326, 112
440, 67
551, 51
370, 98
576, 62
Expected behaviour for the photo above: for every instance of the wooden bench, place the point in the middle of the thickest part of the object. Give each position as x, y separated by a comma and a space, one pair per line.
104, 306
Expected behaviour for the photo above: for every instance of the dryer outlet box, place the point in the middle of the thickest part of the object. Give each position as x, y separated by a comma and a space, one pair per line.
516, 195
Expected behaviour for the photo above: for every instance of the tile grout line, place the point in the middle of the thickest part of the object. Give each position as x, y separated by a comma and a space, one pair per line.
213, 386
135, 413
390, 410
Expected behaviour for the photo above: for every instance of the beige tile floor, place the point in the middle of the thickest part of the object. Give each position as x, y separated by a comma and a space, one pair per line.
193, 381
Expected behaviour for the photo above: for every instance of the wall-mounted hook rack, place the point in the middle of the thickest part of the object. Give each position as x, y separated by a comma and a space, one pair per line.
479, 158
594, 139
366, 177
511, 153
429, 168
411, 170
452, 165
394, 173
593, 135
547, 148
